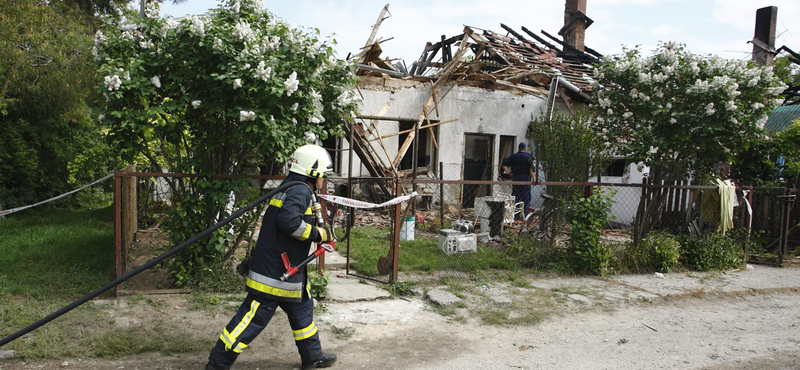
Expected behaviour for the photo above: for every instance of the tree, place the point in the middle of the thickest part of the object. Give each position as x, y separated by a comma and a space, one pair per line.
46, 75
570, 149
680, 114
218, 94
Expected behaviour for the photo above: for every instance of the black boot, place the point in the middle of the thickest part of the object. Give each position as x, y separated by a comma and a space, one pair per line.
326, 360
212, 366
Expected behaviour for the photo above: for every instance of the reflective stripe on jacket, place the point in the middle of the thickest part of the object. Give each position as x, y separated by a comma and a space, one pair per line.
288, 227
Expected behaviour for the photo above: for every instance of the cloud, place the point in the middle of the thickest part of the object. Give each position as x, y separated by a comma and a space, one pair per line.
666, 30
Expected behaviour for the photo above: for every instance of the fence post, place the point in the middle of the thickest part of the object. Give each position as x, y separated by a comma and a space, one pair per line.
397, 225
787, 200
118, 226
441, 196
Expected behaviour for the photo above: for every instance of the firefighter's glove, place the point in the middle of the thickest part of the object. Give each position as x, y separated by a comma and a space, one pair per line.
325, 234
243, 268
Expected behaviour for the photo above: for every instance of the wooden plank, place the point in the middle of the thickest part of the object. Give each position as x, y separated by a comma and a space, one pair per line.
435, 103
411, 129
375, 28
462, 49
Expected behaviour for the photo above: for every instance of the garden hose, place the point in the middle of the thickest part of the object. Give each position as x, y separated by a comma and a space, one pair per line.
149, 264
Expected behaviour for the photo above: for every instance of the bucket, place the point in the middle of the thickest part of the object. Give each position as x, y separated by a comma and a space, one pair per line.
407, 229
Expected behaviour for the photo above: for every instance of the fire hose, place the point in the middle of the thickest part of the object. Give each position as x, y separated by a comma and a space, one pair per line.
149, 264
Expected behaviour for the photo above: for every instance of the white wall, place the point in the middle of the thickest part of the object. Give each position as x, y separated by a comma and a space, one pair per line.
478, 110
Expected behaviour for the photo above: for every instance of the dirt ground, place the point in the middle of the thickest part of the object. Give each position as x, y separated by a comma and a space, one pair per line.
726, 322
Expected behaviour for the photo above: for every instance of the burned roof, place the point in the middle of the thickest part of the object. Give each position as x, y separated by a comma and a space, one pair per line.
518, 60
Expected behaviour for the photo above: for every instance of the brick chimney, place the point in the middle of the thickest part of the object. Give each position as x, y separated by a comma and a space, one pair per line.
764, 37
575, 24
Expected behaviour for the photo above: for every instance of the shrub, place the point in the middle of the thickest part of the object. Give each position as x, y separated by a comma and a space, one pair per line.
587, 217
713, 252
319, 283
659, 252
536, 253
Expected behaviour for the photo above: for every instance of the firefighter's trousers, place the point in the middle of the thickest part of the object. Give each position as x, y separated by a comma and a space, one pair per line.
254, 315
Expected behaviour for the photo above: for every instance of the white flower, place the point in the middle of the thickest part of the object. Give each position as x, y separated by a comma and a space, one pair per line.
777, 103
258, 6
610, 112
659, 94
757, 106
247, 116
146, 44
246, 66
243, 31
315, 120
294, 106
236, 6
99, 37
153, 9
237, 83
753, 81
669, 105
112, 82
309, 136
197, 26
217, 45
126, 75
156, 80
673, 121
710, 109
196, 104
695, 68
291, 84
627, 115
262, 71
730, 105
169, 24
101, 117
760, 123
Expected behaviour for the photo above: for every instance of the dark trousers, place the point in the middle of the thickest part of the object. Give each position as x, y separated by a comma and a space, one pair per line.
254, 315
522, 193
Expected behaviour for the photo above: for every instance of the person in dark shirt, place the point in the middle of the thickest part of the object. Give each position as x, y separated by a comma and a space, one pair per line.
519, 166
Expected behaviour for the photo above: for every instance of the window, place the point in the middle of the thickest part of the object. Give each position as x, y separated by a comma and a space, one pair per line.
616, 168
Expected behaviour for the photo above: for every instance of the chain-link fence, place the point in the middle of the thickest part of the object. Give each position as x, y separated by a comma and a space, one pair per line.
151, 206
462, 219
480, 204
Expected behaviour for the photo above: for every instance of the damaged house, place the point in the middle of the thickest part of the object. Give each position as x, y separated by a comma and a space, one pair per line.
467, 102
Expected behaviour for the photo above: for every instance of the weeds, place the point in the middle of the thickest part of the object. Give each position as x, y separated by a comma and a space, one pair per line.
401, 289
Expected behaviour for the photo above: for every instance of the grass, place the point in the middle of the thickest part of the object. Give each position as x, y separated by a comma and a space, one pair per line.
369, 243
49, 254
528, 308
48, 258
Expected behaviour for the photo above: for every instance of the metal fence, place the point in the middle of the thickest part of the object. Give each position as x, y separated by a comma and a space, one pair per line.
459, 214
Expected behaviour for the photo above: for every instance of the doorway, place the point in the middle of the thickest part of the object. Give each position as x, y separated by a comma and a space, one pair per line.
478, 165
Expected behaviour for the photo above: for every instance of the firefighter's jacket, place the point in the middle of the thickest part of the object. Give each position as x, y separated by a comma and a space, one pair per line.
288, 226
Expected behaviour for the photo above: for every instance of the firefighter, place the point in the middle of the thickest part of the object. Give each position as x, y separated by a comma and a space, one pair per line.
288, 226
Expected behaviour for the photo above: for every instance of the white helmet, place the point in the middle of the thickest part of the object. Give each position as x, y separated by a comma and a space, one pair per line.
312, 161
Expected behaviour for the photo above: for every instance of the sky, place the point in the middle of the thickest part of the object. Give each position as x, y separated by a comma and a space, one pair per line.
721, 27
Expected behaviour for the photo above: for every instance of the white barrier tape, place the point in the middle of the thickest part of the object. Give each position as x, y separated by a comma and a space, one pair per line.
749, 209
12, 210
361, 204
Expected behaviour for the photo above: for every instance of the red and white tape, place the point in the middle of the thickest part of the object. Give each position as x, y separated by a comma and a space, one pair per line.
361, 204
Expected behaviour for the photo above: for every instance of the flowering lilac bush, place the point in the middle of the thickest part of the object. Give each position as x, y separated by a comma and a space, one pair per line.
218, 94
680, 113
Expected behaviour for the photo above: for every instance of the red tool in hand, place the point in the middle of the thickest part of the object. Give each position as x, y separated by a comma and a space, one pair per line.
323, 247
291, 270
